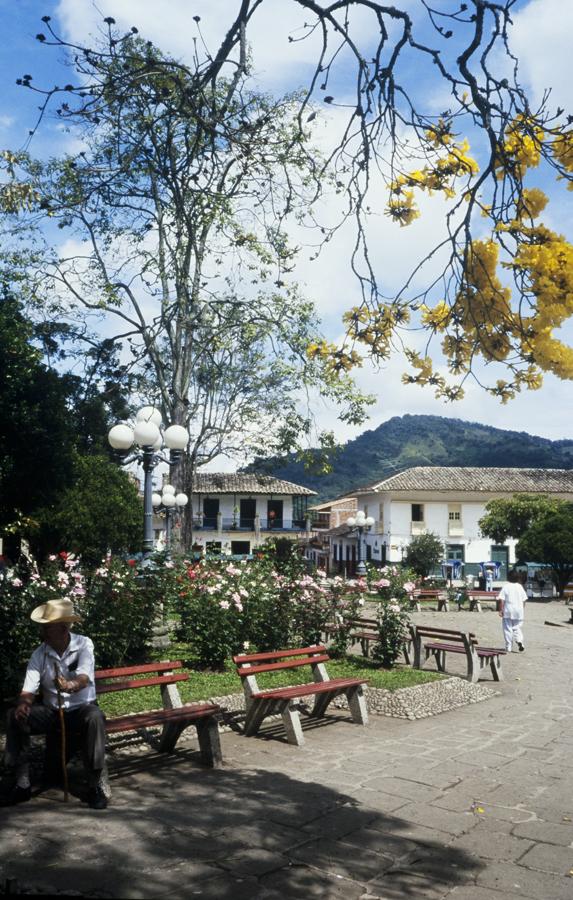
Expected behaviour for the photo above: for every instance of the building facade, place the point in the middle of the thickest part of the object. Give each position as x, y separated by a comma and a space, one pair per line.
448, 501
234, 514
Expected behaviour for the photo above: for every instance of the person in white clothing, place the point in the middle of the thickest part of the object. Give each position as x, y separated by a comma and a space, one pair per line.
511, 599
62, 670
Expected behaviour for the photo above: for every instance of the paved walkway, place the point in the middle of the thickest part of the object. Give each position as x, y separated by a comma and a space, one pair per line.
474, 804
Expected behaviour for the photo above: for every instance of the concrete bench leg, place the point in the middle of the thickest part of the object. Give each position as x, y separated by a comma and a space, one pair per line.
496, 670
255, 714
357, 705
170, 736
473, 668
291, 722
321, 702
209, 743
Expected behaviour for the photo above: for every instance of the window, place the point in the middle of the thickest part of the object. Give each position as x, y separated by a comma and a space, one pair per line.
368, 553
210, 512
417, 512
247, 512
380, 517
455, 526
240, 548
335, 549
213, 548
274, 513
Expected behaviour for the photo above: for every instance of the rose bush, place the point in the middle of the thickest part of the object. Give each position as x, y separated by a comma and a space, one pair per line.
395, 586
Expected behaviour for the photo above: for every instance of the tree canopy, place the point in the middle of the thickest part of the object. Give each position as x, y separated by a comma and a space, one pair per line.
503, 287
513, 516
424, 553
549, 539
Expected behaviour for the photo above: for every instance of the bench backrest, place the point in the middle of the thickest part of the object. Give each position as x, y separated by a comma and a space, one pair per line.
428, 593
446, 635
275, 660
121, 679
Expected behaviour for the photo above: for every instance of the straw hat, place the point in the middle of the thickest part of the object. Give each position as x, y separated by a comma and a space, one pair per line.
54, 611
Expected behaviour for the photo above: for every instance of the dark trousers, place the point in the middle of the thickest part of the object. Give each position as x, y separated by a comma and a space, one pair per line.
86, 722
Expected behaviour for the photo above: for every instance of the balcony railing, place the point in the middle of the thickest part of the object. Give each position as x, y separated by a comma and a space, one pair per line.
210, 523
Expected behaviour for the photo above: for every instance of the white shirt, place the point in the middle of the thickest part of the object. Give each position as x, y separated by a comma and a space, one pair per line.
77, 659
512, 596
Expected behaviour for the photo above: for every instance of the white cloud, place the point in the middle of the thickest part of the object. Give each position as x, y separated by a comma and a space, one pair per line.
541, 39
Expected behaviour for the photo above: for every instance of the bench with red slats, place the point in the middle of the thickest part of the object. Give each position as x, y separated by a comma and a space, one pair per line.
175, 715
280, 700
437, 642
476, 599
439, 596
364, 631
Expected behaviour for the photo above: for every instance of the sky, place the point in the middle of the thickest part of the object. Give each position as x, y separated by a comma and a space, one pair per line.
540, 38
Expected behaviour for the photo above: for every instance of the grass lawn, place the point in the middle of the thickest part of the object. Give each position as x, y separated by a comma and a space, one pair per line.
204, 684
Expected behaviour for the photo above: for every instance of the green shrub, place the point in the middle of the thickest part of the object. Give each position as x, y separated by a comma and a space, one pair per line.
119, 609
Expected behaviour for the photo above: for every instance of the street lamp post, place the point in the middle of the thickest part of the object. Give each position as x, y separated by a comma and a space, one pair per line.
360, 524
169, 501
143, 443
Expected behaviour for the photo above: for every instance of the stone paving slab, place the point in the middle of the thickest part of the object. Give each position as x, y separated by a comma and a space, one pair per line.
473, 804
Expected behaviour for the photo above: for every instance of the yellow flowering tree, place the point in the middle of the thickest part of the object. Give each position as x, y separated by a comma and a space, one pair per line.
504, 286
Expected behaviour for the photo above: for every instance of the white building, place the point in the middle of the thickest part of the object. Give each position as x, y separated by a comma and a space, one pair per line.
234, 514
447, 501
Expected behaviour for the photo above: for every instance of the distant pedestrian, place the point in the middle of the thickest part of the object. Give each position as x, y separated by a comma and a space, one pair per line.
511, 599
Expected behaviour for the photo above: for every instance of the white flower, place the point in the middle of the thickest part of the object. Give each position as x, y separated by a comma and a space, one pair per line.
224, 604
17, 582
246, 645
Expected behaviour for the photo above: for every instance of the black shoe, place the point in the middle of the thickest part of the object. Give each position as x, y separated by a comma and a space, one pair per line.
15, 795
97, 799
521, 647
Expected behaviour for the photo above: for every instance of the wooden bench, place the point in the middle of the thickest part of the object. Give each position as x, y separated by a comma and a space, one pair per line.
476, 599
263, 703
437, 642
175, 715
439, 596
365, 632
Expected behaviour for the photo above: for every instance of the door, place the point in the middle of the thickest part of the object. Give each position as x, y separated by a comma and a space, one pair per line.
248, 509
210, 512
500, 554
275, 513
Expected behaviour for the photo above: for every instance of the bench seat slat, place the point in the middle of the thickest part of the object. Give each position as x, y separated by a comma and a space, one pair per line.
276, 667
277, 654
160, 717
128, 684
314, 687
138, 670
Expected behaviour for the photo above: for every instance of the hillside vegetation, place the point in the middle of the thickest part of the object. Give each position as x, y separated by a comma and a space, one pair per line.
406, 441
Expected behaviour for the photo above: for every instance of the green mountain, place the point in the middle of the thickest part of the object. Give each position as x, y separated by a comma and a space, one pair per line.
406, 441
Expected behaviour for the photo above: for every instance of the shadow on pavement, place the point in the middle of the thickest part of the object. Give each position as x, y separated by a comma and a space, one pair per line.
177, 830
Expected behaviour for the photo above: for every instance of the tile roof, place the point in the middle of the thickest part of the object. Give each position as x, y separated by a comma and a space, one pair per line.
233, 483
451, 478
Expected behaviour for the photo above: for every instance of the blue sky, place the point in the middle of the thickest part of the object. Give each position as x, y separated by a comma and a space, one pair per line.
541, 37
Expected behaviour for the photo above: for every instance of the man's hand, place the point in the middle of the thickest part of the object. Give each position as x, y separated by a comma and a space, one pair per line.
22, 711
68, 687
73, 686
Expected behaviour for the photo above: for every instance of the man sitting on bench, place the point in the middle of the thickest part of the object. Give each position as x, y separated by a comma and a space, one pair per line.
63, 668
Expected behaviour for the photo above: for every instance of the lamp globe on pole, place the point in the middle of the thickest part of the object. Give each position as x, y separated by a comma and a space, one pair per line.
143, 443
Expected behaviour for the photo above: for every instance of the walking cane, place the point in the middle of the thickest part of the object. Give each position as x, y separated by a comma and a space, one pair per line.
62, 732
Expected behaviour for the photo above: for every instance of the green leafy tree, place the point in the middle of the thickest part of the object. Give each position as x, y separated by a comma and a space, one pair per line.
511, 517
180, 199
37, 433
549, 539
424, 553
390, 141
101, 510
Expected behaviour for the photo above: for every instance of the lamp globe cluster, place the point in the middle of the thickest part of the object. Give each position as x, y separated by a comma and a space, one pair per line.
146, 433
360, 520
169, 499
